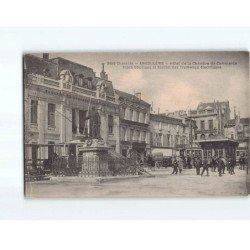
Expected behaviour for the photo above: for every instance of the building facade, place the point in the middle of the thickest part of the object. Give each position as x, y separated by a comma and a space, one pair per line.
170, 135
210, 119
238, 129
134, 123
59, 96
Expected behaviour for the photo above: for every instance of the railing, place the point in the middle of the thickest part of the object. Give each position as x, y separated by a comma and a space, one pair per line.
83, 91
41, 80
202, 112
206, 130
84, 166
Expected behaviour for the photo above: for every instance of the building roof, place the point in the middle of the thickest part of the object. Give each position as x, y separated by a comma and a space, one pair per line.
231, 122
210, 105
245, 121
166, 119
131, 97
64, 59
217, 139
40, 66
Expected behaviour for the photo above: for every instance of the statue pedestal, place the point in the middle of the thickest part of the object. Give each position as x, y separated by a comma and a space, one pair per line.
94, 161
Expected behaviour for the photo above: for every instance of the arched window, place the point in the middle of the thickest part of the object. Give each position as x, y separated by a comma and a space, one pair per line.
211, 136
203, 137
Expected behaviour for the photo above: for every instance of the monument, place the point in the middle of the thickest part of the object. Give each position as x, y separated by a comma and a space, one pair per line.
94, 150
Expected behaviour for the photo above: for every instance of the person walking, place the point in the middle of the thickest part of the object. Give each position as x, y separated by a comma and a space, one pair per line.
221, 166
232, 164
213, 164
224, 164
205, 167
175, 166
180, 164
198, 164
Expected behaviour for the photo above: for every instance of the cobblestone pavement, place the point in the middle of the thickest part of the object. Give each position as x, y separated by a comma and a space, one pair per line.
162, 185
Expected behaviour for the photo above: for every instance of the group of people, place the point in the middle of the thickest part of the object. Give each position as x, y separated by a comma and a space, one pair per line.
202, 166
178, 164
214, 163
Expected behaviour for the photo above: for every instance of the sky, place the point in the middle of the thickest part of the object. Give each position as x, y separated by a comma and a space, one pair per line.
171, 89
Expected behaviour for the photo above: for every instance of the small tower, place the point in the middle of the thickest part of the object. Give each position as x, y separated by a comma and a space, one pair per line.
103, 74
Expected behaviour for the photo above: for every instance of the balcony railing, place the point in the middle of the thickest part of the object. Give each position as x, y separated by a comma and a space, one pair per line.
56, 84
206, 130
202, 112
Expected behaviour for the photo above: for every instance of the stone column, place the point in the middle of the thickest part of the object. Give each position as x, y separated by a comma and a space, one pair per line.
68, 113
61, 121
77, 120
104, 127
42, 114
117, 133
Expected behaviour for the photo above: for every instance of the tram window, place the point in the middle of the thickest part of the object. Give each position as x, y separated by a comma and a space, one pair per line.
50, 149
238, 153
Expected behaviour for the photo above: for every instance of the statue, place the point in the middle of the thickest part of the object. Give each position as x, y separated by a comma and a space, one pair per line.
101, 88
95, 123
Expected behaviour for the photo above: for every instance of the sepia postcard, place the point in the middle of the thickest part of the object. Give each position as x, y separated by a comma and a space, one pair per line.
136, 124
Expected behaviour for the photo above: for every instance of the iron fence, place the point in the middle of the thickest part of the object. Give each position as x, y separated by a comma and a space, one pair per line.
84, 166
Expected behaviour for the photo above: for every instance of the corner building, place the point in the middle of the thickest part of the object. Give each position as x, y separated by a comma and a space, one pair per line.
58, 95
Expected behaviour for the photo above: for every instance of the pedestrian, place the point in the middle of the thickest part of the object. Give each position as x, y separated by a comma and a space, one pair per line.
232, 164
213, 164
205, 167
180, 164
198, 164
224, 164
221, 165
175, 166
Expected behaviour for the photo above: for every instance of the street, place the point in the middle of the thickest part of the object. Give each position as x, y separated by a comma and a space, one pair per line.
186, 184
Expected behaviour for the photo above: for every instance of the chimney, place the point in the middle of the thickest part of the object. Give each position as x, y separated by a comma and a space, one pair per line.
138, 95
103, 73
46, 56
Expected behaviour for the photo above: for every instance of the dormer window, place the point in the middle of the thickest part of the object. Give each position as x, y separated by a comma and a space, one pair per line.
80, 81
46, 72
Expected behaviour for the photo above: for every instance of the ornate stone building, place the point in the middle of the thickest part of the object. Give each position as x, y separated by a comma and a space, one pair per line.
210, 119
134, 123
59, 98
